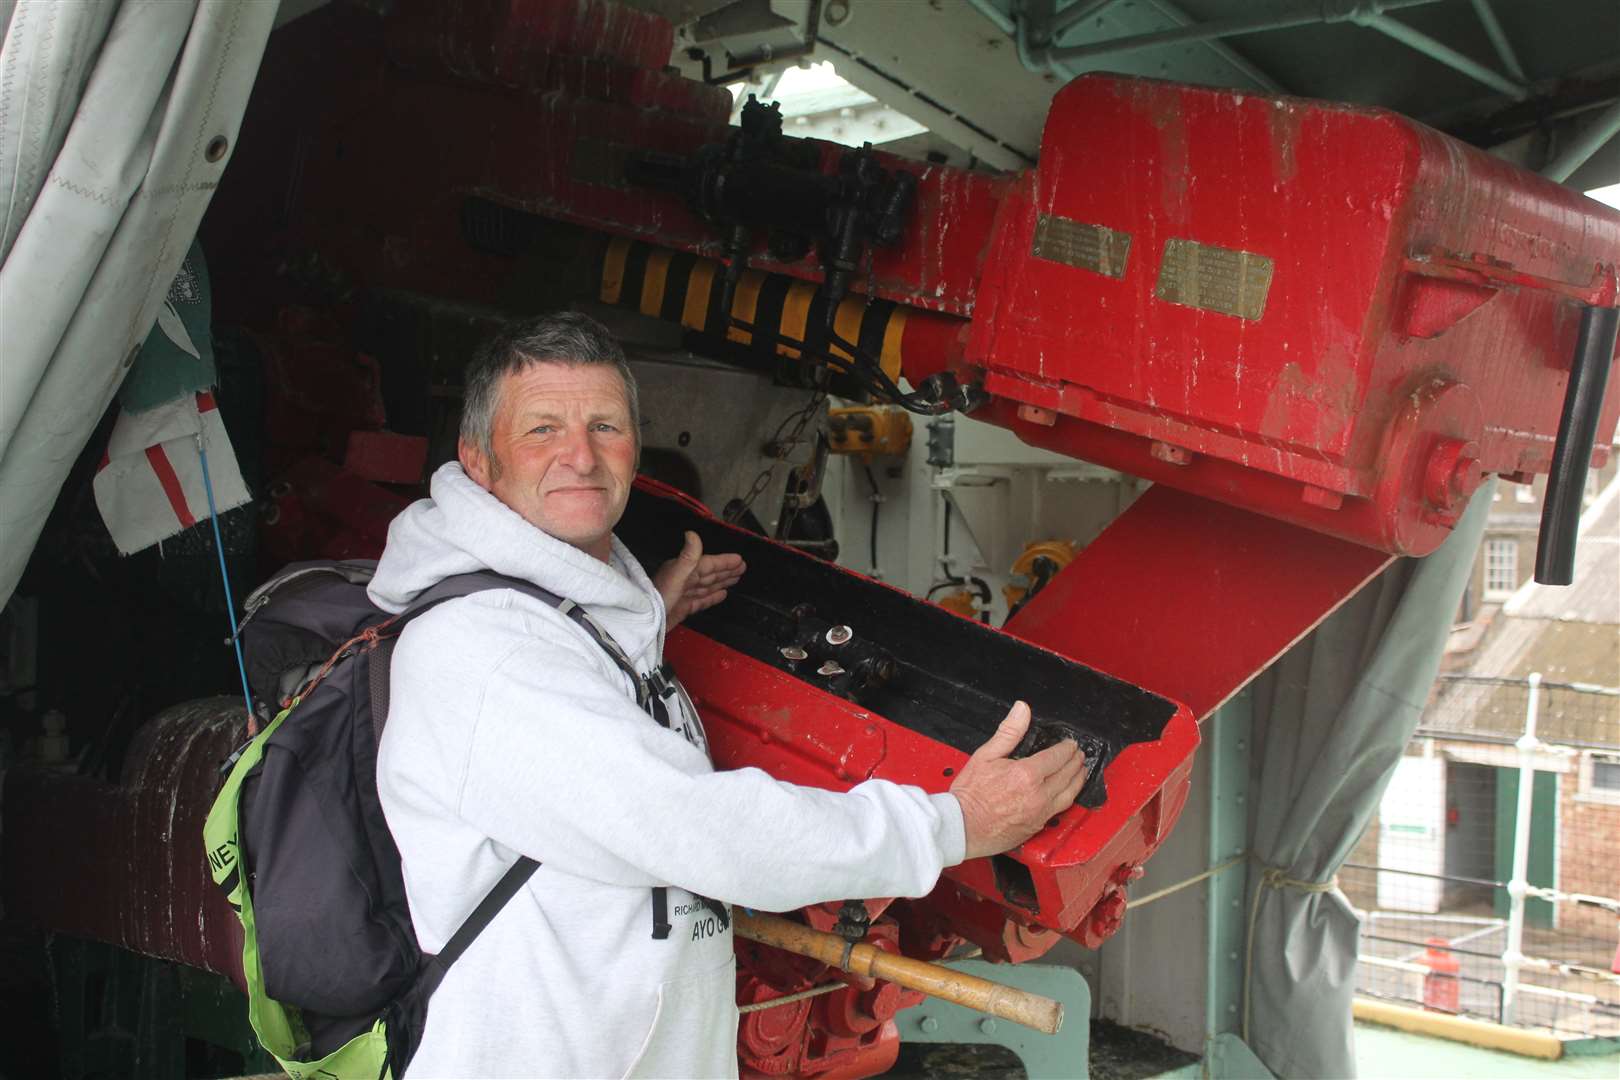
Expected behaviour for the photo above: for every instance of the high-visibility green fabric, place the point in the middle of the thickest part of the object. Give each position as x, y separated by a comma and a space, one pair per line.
279, 1027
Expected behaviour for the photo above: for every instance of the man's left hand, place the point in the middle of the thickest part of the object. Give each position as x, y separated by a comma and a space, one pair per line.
693, 581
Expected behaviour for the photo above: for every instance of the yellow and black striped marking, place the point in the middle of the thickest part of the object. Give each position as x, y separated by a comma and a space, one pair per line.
686, 288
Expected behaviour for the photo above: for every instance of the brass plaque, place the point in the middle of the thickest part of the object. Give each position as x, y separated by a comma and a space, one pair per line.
1074, 243
1214, 278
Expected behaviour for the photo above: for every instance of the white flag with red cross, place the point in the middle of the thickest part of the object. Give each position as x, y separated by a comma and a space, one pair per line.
150, 482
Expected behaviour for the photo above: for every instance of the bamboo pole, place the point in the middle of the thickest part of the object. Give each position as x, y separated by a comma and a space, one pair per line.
868, 961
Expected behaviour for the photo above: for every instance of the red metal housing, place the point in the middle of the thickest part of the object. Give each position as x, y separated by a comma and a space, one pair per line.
1263, 289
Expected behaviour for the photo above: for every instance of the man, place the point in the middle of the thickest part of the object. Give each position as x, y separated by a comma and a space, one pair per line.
513, 733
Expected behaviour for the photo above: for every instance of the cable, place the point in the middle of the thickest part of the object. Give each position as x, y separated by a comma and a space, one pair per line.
1042, 571
230, 605
912, 402
982, 587
865, 370
877, 497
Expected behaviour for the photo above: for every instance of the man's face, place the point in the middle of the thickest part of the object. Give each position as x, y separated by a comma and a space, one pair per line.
564, 452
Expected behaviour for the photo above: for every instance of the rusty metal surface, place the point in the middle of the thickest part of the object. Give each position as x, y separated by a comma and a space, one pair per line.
123, 863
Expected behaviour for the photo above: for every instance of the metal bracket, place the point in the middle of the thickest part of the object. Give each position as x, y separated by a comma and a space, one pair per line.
1063, 1056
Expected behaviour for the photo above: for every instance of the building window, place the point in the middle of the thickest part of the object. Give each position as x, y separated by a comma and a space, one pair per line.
1600, 777
1606, 773
1501, 568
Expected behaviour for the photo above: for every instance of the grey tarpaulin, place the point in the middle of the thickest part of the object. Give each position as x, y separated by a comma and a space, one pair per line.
116, 122
1331, 718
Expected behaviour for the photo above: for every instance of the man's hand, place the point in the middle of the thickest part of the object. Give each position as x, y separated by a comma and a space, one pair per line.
692, 581
1005, 802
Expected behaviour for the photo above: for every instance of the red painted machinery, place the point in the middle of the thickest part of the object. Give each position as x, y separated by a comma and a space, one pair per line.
1317, 328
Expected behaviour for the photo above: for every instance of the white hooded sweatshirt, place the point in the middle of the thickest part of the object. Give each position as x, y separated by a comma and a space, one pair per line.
512, 732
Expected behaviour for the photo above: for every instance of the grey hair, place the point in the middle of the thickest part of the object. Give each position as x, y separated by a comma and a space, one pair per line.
562, 337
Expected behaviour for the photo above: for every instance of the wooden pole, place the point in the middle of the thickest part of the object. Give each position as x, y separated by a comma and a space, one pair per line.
868, 961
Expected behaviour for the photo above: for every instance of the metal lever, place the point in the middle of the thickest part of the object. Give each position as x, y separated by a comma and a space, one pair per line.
1572, 453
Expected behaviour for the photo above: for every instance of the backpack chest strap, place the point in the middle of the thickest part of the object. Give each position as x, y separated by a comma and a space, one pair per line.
654, 690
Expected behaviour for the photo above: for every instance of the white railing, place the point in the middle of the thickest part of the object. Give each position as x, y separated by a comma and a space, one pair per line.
1406, 975
1513, 955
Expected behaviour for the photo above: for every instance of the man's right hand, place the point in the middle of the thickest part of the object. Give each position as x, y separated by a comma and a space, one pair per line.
1005, 802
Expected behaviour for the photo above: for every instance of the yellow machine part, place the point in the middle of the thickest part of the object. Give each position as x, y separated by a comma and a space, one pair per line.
1061, 552
961, 601
869, 430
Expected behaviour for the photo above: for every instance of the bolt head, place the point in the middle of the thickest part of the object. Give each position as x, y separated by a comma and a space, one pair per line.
1451, 474
838, 635
928, 1024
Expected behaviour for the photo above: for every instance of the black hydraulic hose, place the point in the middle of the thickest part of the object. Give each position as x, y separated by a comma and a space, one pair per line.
864, 369
876, 497
1572, 453
982, 587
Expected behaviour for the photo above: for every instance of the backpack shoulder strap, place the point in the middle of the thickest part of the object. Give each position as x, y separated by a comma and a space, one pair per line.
497, 897
467, 584
478, 581
432, 972
451, 588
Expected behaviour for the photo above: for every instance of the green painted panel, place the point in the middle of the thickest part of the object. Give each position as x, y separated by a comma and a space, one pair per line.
1543, 840
1063, 1056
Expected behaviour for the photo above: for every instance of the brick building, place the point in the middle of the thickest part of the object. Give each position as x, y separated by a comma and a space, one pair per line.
1571, 636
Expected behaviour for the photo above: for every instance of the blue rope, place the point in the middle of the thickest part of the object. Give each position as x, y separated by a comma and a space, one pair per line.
230, 605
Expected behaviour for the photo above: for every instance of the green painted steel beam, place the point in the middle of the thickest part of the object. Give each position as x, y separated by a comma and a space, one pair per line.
1228, 735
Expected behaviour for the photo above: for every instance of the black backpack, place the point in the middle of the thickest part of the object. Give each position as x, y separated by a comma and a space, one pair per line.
337, 984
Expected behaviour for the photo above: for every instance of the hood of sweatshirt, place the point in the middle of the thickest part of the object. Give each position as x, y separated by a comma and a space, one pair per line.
461, 528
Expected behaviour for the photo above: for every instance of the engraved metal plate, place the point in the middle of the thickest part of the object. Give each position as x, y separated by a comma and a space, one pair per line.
1214, 278
1074, 243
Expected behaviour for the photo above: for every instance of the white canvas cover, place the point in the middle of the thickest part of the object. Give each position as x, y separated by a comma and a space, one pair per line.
117, 120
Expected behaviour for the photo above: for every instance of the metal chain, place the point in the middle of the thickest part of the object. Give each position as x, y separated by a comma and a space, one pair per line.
763, 480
